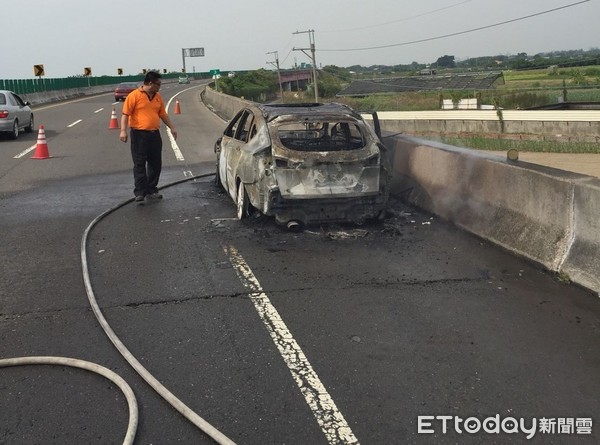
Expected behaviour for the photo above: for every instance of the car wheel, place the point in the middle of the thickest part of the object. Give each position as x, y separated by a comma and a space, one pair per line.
243, 204
29, 128
14, 134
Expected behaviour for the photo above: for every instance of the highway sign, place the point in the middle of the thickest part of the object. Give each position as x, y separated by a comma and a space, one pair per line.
38, 70
215, 72
194, 52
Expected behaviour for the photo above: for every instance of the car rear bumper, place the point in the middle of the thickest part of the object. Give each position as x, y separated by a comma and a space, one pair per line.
313, 211
6, 124
328, 181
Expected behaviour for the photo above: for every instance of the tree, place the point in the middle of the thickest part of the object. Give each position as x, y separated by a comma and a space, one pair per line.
446, 62
251, 85
340, 73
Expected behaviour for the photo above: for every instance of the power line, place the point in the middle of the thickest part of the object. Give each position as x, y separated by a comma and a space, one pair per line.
460, 32
399, 20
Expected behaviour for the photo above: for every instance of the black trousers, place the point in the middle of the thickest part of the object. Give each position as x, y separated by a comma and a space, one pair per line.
146, 153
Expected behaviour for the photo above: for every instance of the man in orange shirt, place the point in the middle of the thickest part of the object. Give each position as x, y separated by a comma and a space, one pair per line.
142, 112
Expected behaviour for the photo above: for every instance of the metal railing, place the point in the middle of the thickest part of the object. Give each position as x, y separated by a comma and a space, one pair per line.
40, 85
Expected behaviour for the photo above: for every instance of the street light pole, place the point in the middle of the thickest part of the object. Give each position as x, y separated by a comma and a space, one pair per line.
278, 72
311, 39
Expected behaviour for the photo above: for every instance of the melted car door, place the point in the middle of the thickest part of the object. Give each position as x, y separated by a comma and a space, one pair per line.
235, 137
227, 144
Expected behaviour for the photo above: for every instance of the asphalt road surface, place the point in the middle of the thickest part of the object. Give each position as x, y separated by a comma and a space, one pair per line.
336, 334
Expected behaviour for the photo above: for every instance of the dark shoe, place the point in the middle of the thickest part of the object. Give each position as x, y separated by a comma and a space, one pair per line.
154, 195
139, 199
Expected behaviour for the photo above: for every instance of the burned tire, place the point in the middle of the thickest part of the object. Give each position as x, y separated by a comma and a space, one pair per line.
243, 203
217, 174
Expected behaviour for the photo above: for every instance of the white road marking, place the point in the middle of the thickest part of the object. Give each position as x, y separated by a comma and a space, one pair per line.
174, 146
24, 152
74, 123
329, 418
98, 110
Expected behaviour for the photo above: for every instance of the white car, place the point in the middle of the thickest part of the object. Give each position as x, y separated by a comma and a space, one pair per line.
15, 114
184, 79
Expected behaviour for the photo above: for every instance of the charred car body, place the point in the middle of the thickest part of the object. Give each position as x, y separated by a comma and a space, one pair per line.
304, 164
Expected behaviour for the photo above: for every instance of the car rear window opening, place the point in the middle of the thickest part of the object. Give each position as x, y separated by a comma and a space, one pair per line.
321, 136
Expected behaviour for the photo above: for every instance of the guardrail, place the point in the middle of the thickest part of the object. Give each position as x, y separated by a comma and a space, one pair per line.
43, 85
37, 98
575, 125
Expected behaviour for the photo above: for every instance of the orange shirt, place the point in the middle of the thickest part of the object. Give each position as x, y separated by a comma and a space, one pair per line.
144, 114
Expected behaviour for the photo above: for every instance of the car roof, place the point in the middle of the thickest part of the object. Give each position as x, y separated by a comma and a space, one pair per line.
272, 111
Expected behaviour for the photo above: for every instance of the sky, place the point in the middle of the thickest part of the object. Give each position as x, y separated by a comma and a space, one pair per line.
66, 36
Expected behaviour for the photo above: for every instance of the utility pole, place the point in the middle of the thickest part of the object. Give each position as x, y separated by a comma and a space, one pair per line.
311, 39
296, 73
276, 64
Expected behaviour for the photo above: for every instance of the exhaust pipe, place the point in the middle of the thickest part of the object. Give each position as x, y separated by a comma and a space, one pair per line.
293, 226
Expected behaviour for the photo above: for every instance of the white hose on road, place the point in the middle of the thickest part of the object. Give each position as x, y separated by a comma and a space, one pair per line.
88, 366
188, 413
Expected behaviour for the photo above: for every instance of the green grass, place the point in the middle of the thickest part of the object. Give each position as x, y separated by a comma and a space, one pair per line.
584, 95
481, 143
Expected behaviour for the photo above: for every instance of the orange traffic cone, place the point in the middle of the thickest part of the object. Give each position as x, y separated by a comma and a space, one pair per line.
177, 108
41, 149
114, 123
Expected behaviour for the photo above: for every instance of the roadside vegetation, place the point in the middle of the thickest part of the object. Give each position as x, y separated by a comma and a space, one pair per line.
569, 76
494, 144
521, 89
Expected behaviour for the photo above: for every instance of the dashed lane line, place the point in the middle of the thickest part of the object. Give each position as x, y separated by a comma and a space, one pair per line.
24, 152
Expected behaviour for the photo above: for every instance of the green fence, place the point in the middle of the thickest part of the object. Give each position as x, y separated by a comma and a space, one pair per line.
40, 85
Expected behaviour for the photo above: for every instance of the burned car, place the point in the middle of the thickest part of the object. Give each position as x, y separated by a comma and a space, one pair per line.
303, 164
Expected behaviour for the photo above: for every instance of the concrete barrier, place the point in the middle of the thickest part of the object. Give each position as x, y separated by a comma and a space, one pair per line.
60, 95
547, 215
222, 104
582, 261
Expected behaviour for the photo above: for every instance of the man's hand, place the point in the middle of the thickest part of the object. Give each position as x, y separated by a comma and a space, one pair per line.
174, 133
123, 136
